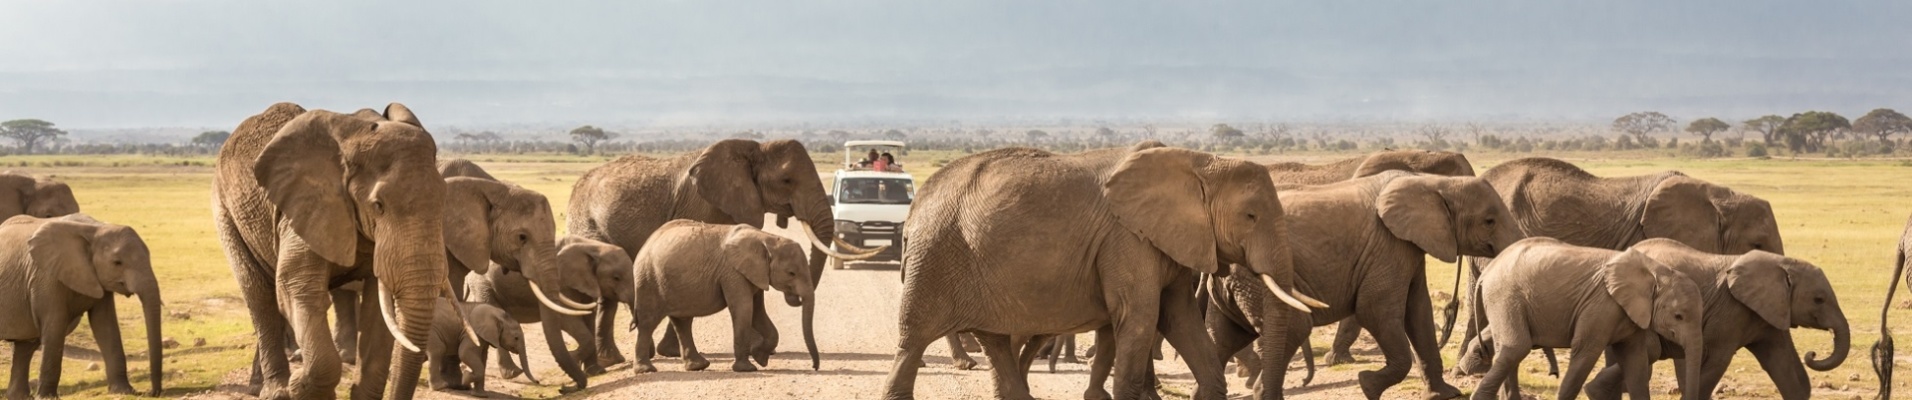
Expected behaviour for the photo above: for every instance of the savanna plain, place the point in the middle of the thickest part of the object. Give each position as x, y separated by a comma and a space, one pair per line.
1843, 215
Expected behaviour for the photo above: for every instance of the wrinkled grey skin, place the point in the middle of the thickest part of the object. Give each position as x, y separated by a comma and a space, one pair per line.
307, 201
1545, 293
693, 269
1882, 350
1444, 163
452, 347
585, 263
64, 268
1131, 225
1753, 301
1553, 198
1397, 219
730, 182
21, 194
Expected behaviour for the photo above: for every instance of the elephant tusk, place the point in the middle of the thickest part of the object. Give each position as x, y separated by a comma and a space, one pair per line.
825, 248
850, 248
463, 321
552, 305
567, 302
391, 323
1284, 296
1310, 301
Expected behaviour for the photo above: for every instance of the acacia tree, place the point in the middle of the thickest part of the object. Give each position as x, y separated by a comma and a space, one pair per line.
589, 136
1105, 133
1883, 123
31, 133
1706, 127
1808, 131
213, 139
1767, 126
1640, 124
1224, 132
1435, 134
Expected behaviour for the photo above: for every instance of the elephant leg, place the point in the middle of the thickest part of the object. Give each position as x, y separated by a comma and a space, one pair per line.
1099, 366
1780, 359
507, 368
473, 356
910, 345
1033, 347
437, 372
957, 356
1502, 377
1181, 324
1069, 349
22, 366
53, 330
1005, 366
554, 339
608, 353
104, 318
580, 330
766, 331
1393, 341
1135, 335
271, 370
345, 310
304, 293
668, 346
1584, 358
693, 359
375, 344
1344, 336
646, 325
1420, 335
1608, 383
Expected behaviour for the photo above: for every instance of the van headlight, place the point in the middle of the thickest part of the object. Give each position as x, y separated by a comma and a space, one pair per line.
843, 226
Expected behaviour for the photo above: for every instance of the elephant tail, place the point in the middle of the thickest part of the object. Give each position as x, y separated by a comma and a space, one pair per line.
1882, 350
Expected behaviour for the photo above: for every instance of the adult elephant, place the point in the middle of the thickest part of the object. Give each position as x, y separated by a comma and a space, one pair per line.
462, 167
1424, 161
731, 182
1027, 243
1554, 198
54, 270
35, 196
1445, 163
305, 201
1754, 299
1882, 350
1396, 219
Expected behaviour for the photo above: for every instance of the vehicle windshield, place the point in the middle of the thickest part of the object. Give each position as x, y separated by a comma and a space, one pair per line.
876, 191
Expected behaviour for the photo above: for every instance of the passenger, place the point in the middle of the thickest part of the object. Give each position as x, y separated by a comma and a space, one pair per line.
867, 162
883, 162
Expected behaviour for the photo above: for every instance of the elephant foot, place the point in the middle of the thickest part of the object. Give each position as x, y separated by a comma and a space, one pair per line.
568, 389
743, 366
1338, 357
594, 369
1071, 359
1096, 394
1442, 391
965, 363
459, 387
610, 358
669, 350
698, 363
762, 355
643, 367
275, 391
119, 388
1371, 385
509, 373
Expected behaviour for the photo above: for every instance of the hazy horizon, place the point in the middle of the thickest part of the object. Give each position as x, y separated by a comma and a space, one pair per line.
118, 64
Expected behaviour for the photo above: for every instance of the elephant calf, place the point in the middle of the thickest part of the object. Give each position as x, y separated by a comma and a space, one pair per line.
1542, 292
52, 271
691, 269
452, 346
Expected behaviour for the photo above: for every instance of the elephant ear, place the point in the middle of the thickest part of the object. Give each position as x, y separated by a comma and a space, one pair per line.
749, 255
1758, 280
1630, 282
303, 173
725, 175
66, 248
1412, 209
24, 187
578, 264
1680, 208
468, 209
400, 113
1160, 195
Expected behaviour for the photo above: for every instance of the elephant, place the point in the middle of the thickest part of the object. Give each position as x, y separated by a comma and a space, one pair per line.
693, 269
514, 292
1554, 198
1443, 163
463, 167
1027, 243
730, 182
307, 201
88, 261
39, 197
1757, 298
452, 346
585, 262
1423, 161
1396, 219
1883, 349
1547, 293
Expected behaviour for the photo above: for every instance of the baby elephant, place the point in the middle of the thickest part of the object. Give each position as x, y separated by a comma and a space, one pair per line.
452, 346
54, 270
1545, 293
691, 269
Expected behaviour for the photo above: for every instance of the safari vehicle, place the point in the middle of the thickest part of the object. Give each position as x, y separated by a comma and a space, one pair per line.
871, 203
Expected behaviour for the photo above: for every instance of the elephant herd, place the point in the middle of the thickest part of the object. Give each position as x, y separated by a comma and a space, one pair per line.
353, 243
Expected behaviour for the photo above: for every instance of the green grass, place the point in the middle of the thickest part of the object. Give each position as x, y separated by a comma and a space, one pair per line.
1842, 215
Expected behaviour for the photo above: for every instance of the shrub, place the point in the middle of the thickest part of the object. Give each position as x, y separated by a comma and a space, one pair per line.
1756, 150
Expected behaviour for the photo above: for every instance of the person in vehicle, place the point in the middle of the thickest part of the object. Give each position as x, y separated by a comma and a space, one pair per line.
867, 162
888, 164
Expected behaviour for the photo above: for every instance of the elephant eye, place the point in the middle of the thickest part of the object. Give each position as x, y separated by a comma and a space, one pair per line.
1756, 246
1490, 221
1251, 216
378, 206
1818, 300
118, 262
1679, 317
522, 238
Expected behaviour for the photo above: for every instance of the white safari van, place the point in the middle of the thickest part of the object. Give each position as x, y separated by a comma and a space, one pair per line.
870, 203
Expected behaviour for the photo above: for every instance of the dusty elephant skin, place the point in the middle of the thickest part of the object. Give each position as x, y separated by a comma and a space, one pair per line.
693, 269
305, 201
1553, 198
1398, 219
1754, 299
731, 182
1546, 293
88, 262
35, 196
1028, 243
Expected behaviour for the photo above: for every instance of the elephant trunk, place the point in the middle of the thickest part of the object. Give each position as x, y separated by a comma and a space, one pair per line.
410, 262
1841, 343
547, 283
814, 210
1694, 388
809, 332
155, 351
524, 360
